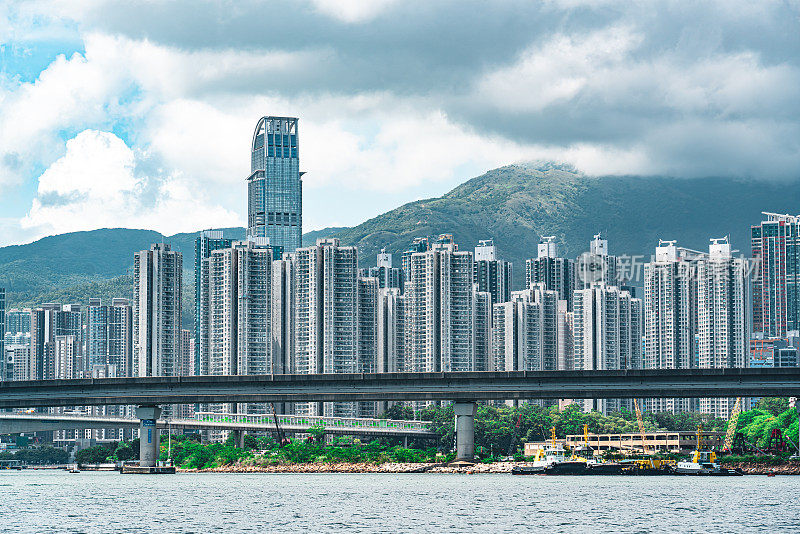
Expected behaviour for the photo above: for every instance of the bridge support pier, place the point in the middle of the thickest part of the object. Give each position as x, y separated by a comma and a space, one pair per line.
149, 438
465, 430
238, 437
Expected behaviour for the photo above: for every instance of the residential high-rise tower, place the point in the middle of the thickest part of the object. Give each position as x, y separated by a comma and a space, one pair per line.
48, 322
722, 318
556, 273
670, 316
596, 266
607, 334
207, 242
776, 285
492, 275
439, 309
387, 275
109, 335
326, 316
157, 277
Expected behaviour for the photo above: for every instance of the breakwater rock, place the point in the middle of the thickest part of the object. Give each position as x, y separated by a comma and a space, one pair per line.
756, 468
498, 467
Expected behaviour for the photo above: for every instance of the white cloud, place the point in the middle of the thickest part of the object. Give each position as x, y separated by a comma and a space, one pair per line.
556, 71
71, 93
389, 106
404, 149
95, 185
115, 79
352, 10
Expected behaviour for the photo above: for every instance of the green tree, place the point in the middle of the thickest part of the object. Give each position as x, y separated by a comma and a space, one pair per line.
773, 405
124, 452
398, 411
317, 431
98, 454
38, 456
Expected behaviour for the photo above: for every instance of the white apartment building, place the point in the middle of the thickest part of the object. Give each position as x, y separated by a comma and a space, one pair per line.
283, 315
391, 331
722, 317
670, 316
439, 309
556, 273
240, 313
525, 331
326, 316
607, 333
596, 266
483, 329
491, 274
157, 280
368, 288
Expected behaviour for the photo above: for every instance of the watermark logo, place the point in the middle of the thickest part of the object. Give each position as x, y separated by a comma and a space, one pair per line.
592, 268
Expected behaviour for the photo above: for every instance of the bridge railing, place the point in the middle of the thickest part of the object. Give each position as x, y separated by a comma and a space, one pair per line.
306, 420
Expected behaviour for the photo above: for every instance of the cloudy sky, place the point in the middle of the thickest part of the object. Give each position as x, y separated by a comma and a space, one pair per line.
119, 116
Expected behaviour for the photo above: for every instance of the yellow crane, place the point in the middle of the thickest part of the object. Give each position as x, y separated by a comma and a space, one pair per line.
641, 424
733, 420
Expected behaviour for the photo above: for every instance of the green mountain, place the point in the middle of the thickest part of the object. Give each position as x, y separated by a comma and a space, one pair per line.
517, 204
310, 238
513, 205
56, 263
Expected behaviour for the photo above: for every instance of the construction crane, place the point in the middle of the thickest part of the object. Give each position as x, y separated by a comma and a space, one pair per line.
641, 424
733, 421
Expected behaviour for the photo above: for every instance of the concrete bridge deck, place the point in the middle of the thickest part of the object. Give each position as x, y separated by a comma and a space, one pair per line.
469, 386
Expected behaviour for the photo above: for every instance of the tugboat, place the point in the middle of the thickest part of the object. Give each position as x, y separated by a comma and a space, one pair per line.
703, 464
542, 463
594, 464
598, 467
649, 466
553, 460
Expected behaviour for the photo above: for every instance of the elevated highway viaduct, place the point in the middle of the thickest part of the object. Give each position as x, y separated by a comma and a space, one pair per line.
462, 388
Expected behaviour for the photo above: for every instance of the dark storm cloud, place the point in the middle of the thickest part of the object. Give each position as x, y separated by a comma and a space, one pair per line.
694, 88
409, 47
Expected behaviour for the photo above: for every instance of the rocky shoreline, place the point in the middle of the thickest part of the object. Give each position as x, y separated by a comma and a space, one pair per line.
752, 468
499, 467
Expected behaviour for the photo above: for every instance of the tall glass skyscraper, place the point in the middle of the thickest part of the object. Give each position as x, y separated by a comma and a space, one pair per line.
274, 190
